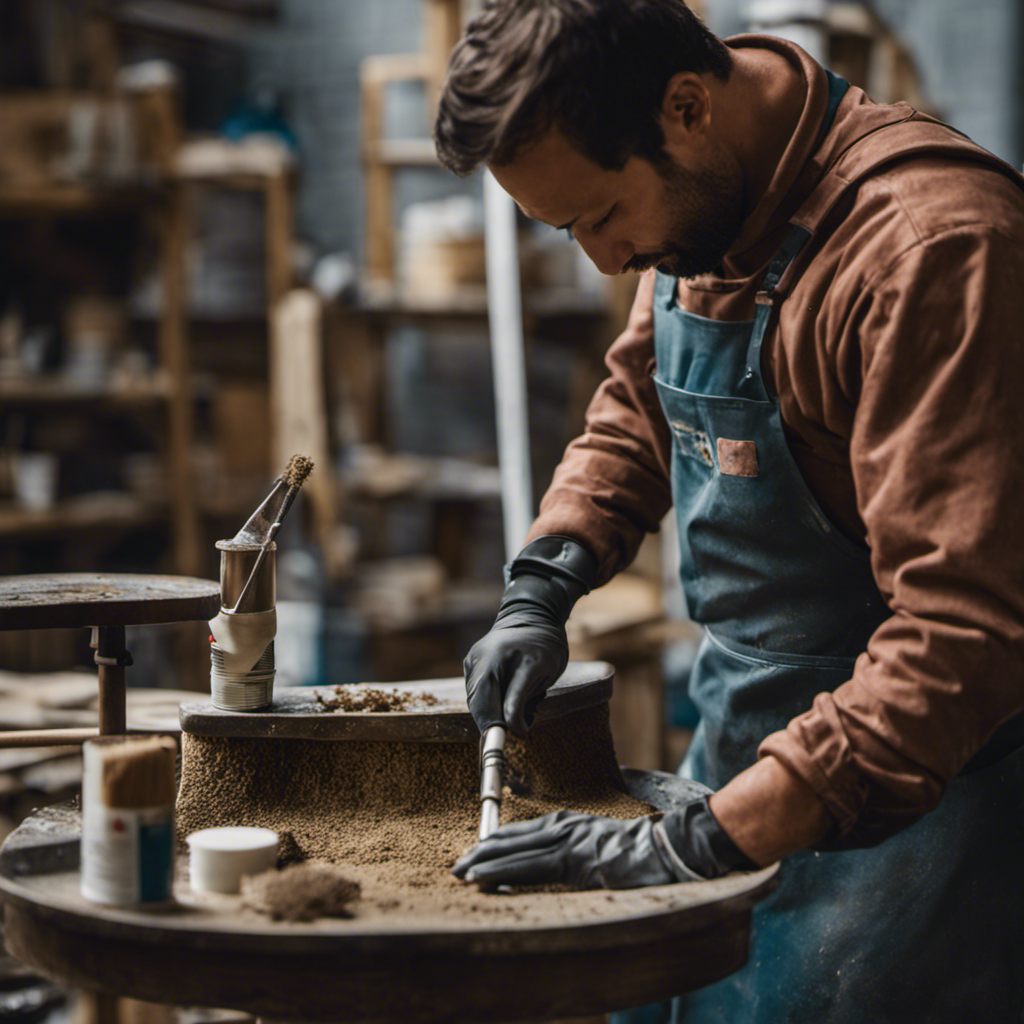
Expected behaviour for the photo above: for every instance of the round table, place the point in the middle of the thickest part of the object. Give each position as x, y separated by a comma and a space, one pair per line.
599, 951
105, 603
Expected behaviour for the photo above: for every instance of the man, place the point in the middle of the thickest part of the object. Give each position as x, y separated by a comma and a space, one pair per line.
822, 370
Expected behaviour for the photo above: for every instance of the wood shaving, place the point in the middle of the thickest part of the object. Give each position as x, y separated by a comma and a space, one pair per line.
368, 698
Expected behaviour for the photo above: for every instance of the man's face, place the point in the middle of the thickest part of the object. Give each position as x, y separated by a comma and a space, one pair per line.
682, 220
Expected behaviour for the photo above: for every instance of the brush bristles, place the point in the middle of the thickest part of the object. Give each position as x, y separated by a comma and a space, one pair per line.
298, 468
138, 772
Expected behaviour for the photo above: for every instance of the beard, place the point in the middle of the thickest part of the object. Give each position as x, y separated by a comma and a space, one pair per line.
705, 216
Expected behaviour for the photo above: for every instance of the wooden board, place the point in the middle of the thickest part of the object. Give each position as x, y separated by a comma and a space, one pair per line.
67, 600
296, 713
566, 954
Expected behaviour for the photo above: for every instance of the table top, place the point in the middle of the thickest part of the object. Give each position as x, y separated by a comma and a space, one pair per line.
560, 954
67, 600
436, 710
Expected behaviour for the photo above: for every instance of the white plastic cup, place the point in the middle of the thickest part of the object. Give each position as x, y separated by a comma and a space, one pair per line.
219, 857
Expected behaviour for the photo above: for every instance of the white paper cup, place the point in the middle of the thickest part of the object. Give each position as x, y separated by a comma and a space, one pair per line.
219, 857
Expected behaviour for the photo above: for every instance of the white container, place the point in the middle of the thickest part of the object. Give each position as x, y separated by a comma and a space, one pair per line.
219, 857
35, 480
127, 848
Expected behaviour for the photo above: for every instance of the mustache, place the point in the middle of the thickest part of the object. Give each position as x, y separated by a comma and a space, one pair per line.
640, 262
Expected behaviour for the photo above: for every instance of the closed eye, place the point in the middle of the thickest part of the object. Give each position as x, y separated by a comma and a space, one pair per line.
604, 220
567, 228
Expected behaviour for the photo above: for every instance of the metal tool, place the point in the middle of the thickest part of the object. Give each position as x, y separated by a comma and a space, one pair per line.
492, 777
242, 661
265, 522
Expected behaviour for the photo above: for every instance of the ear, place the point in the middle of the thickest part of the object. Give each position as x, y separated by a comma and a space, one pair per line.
686, 106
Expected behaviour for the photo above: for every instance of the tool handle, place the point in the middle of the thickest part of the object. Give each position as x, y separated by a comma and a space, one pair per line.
492, 778
289, 498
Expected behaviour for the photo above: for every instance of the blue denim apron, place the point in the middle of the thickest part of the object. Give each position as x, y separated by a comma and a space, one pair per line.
929, 925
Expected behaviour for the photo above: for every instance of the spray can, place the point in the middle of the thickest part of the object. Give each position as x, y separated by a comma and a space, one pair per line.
128, 791
242, 666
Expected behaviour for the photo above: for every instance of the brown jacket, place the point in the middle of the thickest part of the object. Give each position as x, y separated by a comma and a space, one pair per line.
898, 359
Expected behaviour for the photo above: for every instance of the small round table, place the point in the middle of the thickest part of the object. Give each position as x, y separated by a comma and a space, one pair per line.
104, 603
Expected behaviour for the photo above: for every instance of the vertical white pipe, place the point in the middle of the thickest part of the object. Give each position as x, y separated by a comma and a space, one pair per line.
804, 22
507, 356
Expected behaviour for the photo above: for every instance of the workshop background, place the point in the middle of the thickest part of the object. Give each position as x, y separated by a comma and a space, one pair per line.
224, 240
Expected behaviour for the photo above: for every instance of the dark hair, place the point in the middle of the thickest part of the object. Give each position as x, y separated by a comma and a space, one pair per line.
595, 69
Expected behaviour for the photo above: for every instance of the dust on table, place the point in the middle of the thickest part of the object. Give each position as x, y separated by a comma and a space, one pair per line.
371, 698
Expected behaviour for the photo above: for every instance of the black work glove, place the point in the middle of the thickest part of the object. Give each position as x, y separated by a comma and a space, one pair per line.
589, 852
510, 669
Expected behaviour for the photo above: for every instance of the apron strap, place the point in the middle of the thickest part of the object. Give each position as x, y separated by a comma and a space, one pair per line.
754, 385
918, 135
665, 287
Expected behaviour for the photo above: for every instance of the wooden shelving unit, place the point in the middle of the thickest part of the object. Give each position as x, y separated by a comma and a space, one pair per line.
167, 390
31, 391
106, 512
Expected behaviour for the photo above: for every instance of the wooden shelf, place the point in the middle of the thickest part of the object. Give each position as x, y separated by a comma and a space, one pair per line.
403, 152
86, 513
54, 390
384, 299
382, 476
460, 602
71, 197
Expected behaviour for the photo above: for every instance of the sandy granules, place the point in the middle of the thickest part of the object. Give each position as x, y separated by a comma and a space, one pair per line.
396, 816
302, 892
370, 698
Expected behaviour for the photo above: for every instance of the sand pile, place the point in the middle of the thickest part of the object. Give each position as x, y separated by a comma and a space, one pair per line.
394, 817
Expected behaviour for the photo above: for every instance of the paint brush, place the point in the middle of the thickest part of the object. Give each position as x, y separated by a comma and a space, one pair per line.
138, 772
261, 529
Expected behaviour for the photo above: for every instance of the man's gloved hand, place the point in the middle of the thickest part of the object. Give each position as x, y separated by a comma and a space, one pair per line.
510, 669
590, 852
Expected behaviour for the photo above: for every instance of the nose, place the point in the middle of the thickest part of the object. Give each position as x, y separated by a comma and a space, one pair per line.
609, 255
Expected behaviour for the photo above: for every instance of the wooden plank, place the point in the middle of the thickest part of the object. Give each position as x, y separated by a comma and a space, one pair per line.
68, 197
383, 69
298, 405
442, 26
297, 714
278, 238
46, 737
54, 390
173, 343
377, 183
402, 152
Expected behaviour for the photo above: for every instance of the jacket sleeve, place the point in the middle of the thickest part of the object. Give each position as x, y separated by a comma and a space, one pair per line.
937, 455
612, 485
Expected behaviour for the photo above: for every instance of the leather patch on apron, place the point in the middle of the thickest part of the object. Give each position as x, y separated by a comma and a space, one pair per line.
737, 458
